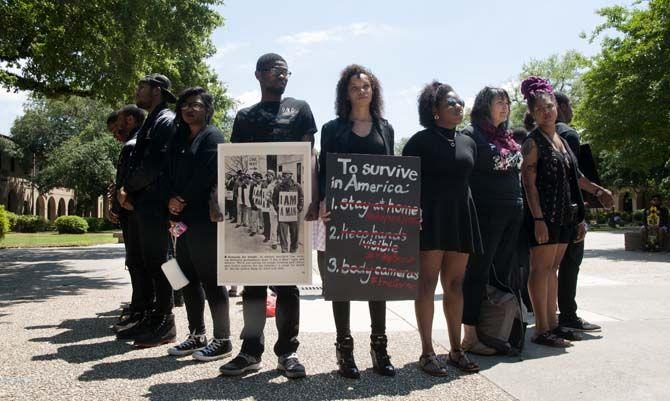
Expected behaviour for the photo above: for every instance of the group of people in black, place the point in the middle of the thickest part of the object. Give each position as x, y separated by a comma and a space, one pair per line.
482, 195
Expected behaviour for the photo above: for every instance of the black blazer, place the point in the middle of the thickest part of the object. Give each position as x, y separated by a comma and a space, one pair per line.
335, 139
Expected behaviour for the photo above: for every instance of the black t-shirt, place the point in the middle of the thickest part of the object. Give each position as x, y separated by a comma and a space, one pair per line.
570, 135
495, 180
371, 144
286, 121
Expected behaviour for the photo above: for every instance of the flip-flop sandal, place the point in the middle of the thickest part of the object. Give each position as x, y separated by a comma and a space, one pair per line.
430, 364
463, 363
550, 340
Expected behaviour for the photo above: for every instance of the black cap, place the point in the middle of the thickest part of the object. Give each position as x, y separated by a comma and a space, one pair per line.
162, 82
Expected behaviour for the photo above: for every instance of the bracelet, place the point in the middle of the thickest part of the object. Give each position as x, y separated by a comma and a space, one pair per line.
538, 218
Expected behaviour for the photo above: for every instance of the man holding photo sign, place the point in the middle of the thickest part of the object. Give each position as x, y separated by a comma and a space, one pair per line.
273, 119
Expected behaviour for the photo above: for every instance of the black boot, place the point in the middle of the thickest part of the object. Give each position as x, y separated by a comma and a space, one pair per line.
381, 361
141, 328
163, 331
344, 351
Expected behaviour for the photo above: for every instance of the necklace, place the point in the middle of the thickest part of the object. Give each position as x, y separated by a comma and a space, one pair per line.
452, 142
551, 142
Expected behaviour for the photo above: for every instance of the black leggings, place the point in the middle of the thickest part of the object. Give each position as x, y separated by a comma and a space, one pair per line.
342, 310
196, 255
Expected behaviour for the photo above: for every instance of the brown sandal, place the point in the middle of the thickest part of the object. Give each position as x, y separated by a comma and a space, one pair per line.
430, 364
463, 363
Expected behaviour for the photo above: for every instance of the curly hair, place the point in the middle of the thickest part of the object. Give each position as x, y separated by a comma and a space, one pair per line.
430, 97
207, 99
481, 109
534, 87
342, 103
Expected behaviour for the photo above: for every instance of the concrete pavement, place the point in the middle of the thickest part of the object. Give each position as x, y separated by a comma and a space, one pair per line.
56, 306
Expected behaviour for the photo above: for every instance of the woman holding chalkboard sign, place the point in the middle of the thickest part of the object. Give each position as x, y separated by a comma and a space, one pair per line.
449, 227
359, 128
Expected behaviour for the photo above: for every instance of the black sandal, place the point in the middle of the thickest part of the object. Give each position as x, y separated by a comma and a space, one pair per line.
551, 340
463, 363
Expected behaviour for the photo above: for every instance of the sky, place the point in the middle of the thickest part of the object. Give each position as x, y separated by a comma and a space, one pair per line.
467, 44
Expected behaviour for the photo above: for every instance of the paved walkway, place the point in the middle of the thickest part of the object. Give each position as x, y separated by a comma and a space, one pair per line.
56, 306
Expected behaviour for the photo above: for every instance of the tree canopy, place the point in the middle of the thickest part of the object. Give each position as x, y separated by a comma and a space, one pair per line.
101, 48
624, 108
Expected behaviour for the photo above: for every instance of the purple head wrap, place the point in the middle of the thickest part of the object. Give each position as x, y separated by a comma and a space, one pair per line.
532, 85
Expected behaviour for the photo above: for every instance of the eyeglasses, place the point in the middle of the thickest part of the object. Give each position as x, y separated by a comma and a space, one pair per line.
197, 106
278, 71
453, 101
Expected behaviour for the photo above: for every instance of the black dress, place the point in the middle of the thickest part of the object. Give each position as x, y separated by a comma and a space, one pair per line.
449, 217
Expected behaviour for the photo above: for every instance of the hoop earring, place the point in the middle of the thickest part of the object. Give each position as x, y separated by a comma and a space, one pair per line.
436, 117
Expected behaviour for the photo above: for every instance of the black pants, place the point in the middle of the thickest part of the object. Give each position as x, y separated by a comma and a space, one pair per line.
499, 228
567, 281
266, 225
141, 281
342, 310
153, 240
196, 255
287, 319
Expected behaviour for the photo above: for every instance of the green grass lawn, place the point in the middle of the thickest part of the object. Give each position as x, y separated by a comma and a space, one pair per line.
53, 239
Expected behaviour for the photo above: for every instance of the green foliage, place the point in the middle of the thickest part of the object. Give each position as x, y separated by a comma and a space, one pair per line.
4, 222
400, 145
101, 48
71, 225
96, 224
31, 224
563, 71
624, 107
11, 218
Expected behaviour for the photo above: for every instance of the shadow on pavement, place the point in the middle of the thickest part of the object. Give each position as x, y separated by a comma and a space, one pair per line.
269, 385
627, 256
36, 275
140, 368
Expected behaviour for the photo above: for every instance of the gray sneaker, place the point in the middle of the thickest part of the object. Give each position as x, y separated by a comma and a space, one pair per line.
290, 366
193, 343
218, 348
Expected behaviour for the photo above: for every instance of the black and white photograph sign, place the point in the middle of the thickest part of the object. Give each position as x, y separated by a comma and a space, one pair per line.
372, 238
264, 238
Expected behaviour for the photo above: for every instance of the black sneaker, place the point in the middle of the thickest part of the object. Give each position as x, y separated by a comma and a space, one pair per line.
240, 364
567, 334
580, 324
290, 367
193, 343
131, 320
218, 348
139, 329
163, 331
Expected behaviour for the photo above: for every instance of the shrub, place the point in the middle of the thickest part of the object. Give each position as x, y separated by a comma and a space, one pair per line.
71, 225
4, 222
12, 219
638, 216
94, 224
31, 224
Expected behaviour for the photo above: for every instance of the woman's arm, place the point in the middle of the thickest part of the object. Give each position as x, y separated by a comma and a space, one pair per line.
528, 176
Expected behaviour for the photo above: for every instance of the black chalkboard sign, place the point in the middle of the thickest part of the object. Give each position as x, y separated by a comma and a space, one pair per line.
372, 239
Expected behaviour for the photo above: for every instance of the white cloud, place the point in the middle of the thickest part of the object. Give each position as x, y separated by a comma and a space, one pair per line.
409, 94
248, 98
225, 50
334, 34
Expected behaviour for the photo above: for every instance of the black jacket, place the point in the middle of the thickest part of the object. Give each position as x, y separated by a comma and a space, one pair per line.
335, 139
144, 181
122, 166
192, 171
